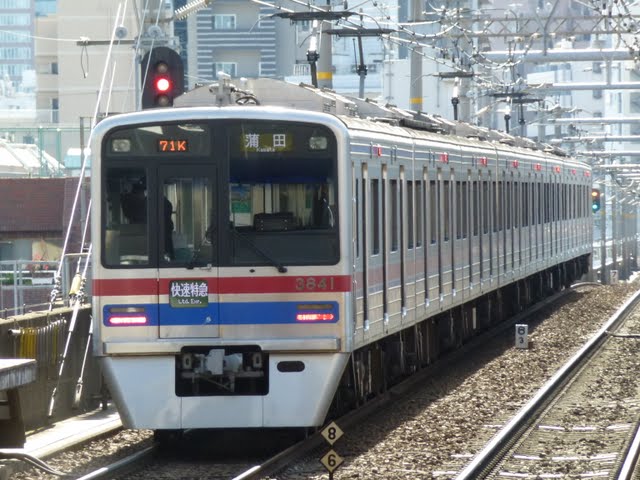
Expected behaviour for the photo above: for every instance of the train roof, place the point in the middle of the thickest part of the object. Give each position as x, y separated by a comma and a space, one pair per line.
272, 92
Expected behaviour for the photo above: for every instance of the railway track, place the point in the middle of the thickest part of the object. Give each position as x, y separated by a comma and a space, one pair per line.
313, 448
372, 437
583, 421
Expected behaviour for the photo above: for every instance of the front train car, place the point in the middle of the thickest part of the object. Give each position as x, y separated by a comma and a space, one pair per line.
221, 285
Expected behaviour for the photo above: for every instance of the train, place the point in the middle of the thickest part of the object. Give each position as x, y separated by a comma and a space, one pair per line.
267, 255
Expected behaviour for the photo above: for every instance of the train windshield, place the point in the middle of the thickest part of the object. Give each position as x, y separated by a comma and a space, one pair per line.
283, 194
232, 193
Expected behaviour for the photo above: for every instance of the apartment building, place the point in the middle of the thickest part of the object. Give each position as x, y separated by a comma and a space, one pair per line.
232, 36
16, 38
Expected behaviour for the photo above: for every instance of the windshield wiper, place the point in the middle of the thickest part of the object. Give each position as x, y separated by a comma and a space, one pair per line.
281, 268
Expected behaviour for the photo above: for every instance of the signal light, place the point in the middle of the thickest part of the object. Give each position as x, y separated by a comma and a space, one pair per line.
162, 77
595, 200
163, 84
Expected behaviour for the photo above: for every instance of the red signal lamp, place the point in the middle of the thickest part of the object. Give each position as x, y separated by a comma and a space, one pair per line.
163, 84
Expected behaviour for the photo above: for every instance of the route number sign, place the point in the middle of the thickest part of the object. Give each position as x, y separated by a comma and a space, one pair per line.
331, 461
522, 336
332, 433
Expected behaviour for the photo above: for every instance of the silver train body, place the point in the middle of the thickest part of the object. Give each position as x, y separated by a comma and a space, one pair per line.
409, 225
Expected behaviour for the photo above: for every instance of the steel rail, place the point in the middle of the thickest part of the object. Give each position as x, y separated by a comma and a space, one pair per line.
115, 468
486, 457
287, 457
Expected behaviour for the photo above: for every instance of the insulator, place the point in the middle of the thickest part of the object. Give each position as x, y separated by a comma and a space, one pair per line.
75, 284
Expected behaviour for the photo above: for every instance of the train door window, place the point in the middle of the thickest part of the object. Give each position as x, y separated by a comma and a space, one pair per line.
458, 209
282, 194
463, 211
547, 203
446, 208
419, 213
385, 210
365, 244
475, 208
525, 204
385, 244
498, 218
516, 224
512, 213
187, 216
440, 225
375, 216
485, 207
403, 260
410, 210
434, 201
508, 201
539, 211
425, 226
401, 204
356, 216
574, 201
126, 219
395, 225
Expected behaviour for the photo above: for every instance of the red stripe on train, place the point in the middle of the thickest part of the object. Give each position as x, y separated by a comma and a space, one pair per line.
229, 285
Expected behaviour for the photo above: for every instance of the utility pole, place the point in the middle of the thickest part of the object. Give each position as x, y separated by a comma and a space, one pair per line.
325, 62
415, 89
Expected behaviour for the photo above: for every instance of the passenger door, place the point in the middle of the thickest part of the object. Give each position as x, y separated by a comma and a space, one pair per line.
188, 253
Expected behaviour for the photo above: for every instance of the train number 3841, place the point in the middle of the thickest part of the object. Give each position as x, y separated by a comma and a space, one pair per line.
314, 283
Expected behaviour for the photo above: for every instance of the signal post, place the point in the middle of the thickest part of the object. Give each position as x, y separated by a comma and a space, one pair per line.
162, 77
161, 67
331, 459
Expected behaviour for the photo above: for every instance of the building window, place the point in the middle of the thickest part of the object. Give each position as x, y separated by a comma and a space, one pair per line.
224, 22
15, 4
55, 110
229, 68
15, 19
15, 53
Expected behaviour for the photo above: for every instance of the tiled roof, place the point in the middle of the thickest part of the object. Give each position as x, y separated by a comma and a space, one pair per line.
33, 204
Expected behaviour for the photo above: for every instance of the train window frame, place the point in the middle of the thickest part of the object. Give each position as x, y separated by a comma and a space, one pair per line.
395, 224
287, 182
374, 213
419, 213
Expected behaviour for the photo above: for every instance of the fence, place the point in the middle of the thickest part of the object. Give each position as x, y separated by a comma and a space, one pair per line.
42, 336
26, 285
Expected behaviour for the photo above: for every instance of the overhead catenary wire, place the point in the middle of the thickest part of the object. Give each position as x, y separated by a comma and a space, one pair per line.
76, 299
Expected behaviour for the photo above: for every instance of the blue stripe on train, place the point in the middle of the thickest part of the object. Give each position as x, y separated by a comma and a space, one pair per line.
230, 313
